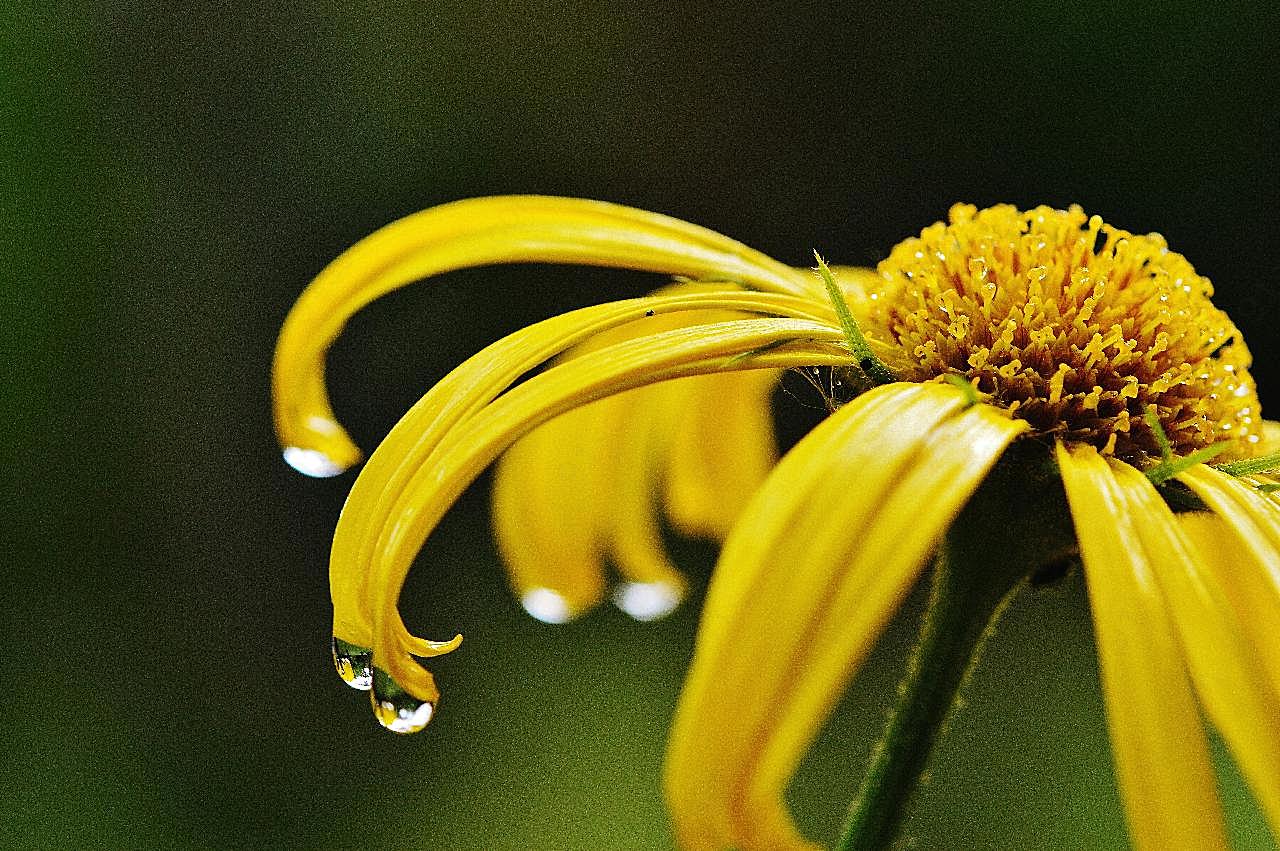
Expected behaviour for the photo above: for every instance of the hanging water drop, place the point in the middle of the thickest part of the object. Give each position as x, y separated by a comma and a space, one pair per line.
395, 708
312, 462
353, 663
546, 605
647, 601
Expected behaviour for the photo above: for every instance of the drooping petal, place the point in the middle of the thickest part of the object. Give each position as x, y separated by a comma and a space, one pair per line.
812, 571
545, 511
1161, 755
480, 231
1241, 546
592, 479
896, 535
1230, 680
466, 390
464, 451
631, 524
722, 449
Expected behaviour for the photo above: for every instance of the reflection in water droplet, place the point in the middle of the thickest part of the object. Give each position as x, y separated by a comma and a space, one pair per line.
353, 663
311, 462
647, 601
546, 605
395, 708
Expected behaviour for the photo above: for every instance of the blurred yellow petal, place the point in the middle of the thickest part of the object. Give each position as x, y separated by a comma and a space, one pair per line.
591, 478
1161, 755
632, 525
474, 232
784, 580
722, 449
462, 452
545, 509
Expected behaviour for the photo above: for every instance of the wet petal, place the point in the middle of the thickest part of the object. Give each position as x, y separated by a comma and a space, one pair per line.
480, 231
545, 513
1161, 755
434, 482
462, 393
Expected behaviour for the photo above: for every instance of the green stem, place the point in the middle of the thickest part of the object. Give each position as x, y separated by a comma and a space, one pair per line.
1015, 524
960, 615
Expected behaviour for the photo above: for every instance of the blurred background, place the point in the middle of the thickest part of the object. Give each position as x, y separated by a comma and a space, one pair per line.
175, 173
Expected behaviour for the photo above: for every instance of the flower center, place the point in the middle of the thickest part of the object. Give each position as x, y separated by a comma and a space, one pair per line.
1075, 326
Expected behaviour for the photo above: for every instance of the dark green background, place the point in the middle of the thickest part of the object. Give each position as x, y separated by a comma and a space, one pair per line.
174, 173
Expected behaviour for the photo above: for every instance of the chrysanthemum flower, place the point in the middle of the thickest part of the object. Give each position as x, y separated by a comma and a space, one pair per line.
1031, 388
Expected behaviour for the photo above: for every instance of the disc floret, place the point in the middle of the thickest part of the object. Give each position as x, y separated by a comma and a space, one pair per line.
1072, 325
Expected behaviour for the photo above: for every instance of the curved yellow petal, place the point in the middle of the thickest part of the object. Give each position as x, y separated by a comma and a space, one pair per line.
480, 231
468, 389
599, 471
584, 486
785, 562
632, 524
1248, 584
1255, 519
464, 451
1231, 683
897, 533
1161, 755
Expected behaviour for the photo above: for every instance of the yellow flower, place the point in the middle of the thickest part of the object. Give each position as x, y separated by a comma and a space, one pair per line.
1035, 385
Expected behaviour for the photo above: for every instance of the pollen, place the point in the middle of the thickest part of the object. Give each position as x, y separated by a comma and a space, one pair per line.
1072, 325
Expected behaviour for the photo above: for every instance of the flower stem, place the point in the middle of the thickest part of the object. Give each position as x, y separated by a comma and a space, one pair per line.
961, 613
1014, 525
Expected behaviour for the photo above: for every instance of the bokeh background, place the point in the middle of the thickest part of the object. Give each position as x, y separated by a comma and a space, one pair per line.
174, 173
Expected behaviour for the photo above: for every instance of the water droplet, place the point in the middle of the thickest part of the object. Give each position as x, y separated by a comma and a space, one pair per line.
647, 601
353, 663
311, 462
546, 605
395, 708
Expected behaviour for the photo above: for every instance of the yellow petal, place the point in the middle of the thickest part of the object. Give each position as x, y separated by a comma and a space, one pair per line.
1249, 585
773, 591
632, 526
475, 232
464, 451
583, 485
466, 390
545, 507
1161, 756
1232, 684
1242, 547
590, 487
897, 534
722, 449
